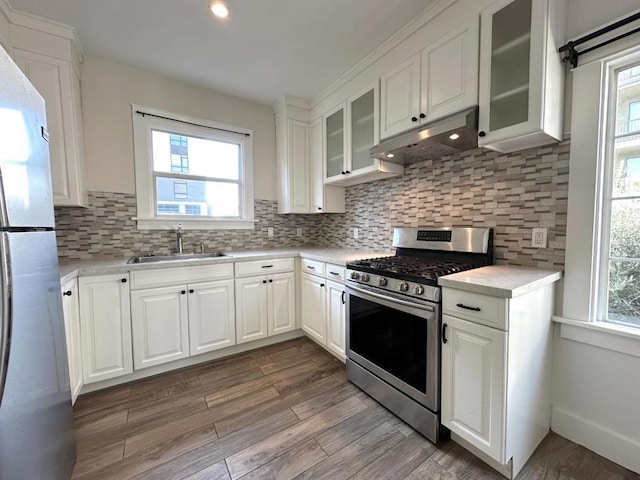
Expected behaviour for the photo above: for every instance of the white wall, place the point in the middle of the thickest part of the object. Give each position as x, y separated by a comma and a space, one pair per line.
108, 89
586, 15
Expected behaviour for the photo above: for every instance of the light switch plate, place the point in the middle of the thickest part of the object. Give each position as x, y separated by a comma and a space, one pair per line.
539, 238
356, 234
269, 231
298, 232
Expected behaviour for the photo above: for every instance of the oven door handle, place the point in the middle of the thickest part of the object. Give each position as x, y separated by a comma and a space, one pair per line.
392, 299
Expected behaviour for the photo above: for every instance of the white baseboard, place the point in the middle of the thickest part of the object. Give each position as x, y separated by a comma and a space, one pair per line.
597, 438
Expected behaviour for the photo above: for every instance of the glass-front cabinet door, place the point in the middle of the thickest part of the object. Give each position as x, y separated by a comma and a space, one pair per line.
521, 74
363, 133
335, 140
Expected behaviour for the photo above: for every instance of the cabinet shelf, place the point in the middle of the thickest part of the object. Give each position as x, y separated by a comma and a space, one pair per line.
363, 120
336, 159
335, 133
511, 45
510, 93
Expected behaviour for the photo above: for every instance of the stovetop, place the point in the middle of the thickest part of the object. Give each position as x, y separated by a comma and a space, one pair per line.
422, 256
415, 269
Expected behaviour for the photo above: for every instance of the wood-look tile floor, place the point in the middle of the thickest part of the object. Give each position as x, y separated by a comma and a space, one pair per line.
284, 411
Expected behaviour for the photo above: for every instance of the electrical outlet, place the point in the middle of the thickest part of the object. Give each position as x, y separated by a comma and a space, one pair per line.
298, 232
539, 237
356, 234
269, 231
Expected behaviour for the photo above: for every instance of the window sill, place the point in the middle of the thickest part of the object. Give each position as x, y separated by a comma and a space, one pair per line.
193, 224
609, 336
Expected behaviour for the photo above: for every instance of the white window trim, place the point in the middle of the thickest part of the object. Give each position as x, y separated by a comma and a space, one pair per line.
582, 300
146, 219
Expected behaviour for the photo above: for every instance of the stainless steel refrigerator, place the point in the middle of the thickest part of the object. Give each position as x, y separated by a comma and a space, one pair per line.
36, 436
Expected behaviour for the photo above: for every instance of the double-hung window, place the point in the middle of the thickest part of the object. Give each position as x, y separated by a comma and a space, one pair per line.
602, 277
191, 171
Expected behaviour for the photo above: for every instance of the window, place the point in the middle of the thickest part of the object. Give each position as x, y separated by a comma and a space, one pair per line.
620, 263
191, 171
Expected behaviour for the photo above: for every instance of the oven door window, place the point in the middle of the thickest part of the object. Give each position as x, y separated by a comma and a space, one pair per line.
393, 340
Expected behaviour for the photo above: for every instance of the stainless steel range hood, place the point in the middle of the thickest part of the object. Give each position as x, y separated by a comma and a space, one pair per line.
449, 135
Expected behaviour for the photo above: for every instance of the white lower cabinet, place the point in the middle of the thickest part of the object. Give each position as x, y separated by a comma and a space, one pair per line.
105, 326
496, 373
323, 306
184, 315
336, 313
473, 383
160, 325
312, 291
71, 313
212, 320
265, 305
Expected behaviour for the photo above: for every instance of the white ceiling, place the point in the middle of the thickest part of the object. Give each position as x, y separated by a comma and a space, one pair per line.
266, 48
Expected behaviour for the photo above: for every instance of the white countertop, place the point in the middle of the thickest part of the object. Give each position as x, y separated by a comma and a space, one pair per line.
105, 266
501, 280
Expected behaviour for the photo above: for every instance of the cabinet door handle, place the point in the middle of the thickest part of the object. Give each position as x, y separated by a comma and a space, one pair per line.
266, 266
482, 134
322, 285
319, 208
270, 281
348, 172
414, 119
264, 281
444, 333
124, 280
334, 273
462, 305
422, 115
343, 297
191, 290
343, 173
310, 267
183, 292
68, 293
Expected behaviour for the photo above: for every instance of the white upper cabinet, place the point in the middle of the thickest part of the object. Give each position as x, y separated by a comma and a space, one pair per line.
439, 81
450, 72
51, 63
324, 198
521, 74
300, 162
351, 129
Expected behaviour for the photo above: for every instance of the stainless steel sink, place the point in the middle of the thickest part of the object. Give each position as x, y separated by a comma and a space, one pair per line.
175, 257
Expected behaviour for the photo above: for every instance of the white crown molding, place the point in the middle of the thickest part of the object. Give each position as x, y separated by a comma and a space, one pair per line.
289, 100
41, 24
437, 7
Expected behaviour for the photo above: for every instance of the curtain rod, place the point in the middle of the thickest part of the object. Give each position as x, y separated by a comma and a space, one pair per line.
191, 123
572, 54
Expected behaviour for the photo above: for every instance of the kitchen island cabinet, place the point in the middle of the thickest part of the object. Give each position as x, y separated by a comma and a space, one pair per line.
496, 362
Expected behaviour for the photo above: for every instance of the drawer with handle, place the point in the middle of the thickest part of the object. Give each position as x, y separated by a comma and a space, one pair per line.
335, 272
312, 266
264, 267
478, 308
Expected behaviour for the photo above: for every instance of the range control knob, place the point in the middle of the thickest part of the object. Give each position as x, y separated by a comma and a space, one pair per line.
403, 286
382, 282
418, 290
365, 277
355, 275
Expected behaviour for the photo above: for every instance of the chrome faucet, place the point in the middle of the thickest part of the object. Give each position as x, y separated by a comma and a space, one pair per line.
179, 239
201, 245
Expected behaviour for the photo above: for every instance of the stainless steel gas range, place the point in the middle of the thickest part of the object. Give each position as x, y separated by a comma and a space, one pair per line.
394, 318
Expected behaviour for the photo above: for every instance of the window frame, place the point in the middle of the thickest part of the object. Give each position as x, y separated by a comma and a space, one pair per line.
143, 125
582, 300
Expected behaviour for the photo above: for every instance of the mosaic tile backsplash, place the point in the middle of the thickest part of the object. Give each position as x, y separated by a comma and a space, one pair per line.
512, 193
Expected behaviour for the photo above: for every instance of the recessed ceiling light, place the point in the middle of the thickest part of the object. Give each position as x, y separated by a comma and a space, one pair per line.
219, 9
454, 136
390, 155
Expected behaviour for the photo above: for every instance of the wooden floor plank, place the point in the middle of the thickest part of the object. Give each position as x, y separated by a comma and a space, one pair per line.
290, 464
356, 455
264, 451
163, 428
217, 471
413, 450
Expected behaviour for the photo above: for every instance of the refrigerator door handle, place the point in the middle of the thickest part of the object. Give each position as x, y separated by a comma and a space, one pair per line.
4, 215
5, 310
